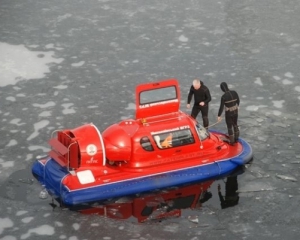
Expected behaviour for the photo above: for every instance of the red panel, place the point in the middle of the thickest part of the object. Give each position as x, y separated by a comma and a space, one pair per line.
58, 158
58, 146
163, 104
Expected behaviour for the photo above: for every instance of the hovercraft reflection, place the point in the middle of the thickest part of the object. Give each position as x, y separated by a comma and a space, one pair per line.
151, 206
161, 147
169, 202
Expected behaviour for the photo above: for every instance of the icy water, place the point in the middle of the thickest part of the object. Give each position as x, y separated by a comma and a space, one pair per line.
65, 63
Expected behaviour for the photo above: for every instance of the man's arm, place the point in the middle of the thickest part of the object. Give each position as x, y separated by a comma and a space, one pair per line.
207, 96
190, 95
221, 108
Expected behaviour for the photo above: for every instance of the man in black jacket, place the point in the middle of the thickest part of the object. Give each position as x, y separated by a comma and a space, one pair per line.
231, 101
201, 99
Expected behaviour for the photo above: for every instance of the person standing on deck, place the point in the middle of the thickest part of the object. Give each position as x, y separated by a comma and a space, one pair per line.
201, 99
231, 101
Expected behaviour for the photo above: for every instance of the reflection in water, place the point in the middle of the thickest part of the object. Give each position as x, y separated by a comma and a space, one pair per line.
153, 205
231, 197
168, 202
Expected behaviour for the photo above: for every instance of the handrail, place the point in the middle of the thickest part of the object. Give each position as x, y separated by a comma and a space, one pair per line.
69, 155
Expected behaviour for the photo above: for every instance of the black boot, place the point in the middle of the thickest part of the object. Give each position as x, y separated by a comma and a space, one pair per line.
236, 134
231, 140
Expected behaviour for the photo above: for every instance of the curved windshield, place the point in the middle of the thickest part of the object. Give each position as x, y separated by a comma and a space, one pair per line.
202, 132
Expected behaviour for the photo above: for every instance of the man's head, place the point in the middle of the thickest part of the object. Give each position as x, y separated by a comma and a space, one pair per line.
196, 84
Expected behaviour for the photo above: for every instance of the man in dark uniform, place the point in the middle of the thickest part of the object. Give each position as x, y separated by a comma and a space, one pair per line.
201, 99
230, 101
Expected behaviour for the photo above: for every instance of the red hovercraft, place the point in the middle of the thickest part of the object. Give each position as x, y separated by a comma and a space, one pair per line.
161, 147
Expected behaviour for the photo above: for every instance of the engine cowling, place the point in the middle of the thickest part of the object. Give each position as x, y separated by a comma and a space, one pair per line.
117, 140
79, 147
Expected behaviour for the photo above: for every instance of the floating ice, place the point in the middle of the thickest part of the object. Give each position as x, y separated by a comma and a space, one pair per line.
46, 105
61, 87
258, 81
34, 148
76, 226
7, 164
297, 88
289, 75
286, 82
277, 113
67, 108
27, 219
41, 230
182, 38
284, 177
278, 104
255, 107
19, 213
37, 127
16, 121
12, 99
11, 143
5, 223
18, 63
45, 114
79, 64
43, 194
131, 106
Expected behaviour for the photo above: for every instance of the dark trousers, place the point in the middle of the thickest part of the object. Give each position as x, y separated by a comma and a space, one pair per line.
204, 113
231, 122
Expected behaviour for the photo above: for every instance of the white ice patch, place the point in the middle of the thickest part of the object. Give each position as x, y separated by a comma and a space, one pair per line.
286, 82
27, 219
37, 126
7, 164
297, 88
20, 213
79, 64
76, 226
183, 38
28, 157
255, 107
5, 223
92, 106
67, 109
42, 230
18, 63
258, 81
61, 87
46, 105
276, 78
45, 114
16, 121
277, 113
131, 106
289, 75
58, 224
12, 99
11, 143
278, 104
34, 148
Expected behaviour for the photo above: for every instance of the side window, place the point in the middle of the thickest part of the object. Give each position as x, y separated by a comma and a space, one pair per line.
173, 139
202, 132
146, 144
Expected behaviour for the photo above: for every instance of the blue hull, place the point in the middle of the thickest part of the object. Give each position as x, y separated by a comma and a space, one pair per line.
51, 175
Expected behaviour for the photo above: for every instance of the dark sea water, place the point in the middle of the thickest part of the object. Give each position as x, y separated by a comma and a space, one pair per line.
65, 63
